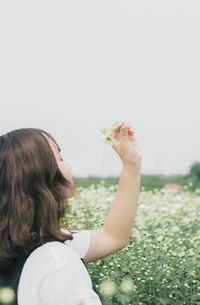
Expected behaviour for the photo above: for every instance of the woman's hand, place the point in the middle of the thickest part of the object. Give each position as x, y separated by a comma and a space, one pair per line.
125, 145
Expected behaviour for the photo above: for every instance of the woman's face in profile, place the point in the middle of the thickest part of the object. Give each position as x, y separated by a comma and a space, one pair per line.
63, 166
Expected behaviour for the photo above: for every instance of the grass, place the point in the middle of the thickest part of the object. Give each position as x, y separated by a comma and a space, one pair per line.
161, 261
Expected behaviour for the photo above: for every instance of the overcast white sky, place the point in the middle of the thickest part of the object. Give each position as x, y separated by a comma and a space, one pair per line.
72, 67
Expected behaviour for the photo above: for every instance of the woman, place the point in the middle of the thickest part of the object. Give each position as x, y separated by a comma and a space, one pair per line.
37, 258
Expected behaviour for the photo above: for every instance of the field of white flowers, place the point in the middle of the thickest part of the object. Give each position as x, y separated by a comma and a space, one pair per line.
161, 263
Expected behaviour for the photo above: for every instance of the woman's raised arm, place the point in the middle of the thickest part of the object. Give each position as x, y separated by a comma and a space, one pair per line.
114, 234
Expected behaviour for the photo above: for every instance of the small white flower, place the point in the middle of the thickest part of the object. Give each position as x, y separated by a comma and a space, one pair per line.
159, 238
186, 220
191, 252
106, 136
175, 229
181, 254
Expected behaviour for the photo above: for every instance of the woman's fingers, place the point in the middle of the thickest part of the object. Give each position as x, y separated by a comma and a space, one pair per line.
130, 132
116, 127
116, 130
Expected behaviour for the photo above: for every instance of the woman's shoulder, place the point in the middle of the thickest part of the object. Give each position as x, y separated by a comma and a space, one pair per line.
54, 253
80, 242
48, 259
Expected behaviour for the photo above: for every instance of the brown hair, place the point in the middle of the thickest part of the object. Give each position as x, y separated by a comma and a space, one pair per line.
32, 193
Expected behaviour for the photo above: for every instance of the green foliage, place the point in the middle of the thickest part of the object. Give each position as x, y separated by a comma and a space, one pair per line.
87, 182
194, 175
195, 170
162, 257
147, 182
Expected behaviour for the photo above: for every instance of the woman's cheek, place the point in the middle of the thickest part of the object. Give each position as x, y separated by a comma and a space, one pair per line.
66, 171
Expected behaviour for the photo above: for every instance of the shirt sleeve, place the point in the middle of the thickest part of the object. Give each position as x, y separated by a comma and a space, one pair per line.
80, 242
67, 285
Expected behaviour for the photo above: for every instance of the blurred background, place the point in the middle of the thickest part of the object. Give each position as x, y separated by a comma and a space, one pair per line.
74, 67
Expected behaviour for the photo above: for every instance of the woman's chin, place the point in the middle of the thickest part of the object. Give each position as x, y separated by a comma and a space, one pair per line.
70, 194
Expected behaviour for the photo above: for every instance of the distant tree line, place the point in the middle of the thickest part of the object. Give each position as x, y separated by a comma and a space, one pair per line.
194, 175
149, 182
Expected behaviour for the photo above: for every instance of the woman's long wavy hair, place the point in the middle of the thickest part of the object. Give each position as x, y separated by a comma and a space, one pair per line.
32, 193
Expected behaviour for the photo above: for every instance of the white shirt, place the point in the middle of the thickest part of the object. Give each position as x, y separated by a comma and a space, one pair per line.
54, 274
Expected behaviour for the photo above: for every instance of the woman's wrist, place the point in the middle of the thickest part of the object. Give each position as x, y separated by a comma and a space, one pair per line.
133, 168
